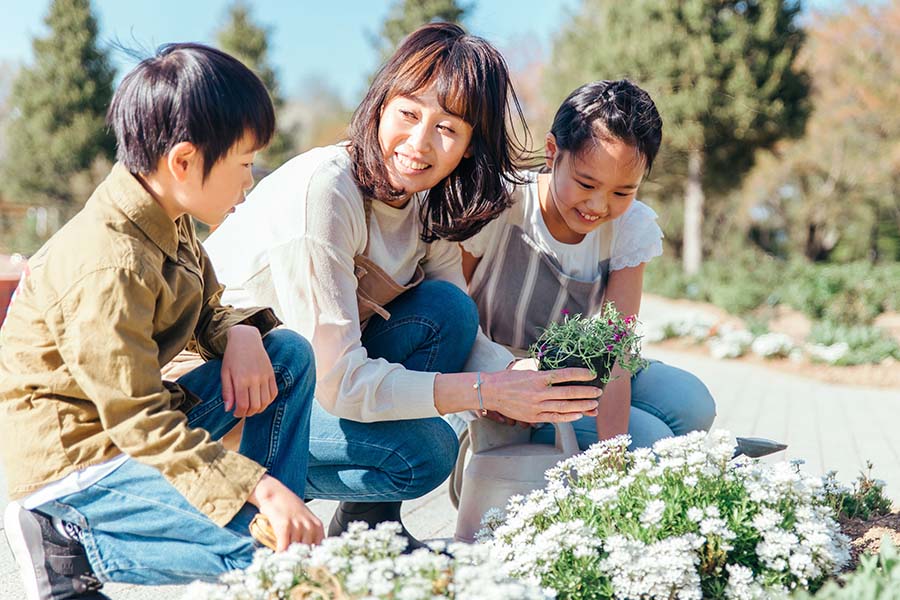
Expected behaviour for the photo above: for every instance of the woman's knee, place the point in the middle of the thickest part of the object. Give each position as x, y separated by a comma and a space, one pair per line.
455, 310
427, 456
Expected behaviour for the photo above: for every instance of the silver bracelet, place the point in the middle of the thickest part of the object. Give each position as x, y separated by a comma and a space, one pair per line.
477, 386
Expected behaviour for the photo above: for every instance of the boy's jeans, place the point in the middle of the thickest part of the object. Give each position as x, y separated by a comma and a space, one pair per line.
137, 528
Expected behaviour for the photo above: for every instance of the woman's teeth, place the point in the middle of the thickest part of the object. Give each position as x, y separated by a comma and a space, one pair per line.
410, 163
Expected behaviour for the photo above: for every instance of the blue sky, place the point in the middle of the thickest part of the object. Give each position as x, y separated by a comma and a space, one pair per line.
325, 39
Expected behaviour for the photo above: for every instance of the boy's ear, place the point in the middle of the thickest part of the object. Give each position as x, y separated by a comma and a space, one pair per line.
181, 158
550, 144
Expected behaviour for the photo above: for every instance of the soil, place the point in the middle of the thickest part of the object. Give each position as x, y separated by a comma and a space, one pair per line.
797, 326
866, 536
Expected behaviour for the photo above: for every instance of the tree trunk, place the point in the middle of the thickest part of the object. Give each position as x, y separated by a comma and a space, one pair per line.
692, 254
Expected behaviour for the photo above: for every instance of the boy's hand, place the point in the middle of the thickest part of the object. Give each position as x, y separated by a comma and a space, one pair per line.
248, 381
291, 520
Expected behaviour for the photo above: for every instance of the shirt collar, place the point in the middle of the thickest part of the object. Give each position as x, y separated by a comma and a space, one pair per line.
129, 195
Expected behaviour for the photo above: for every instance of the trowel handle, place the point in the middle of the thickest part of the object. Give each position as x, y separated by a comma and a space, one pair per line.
566, 441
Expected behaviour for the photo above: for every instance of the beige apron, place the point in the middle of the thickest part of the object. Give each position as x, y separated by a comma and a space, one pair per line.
374, 287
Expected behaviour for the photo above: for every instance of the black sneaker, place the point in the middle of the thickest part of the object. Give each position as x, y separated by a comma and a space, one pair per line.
53, 566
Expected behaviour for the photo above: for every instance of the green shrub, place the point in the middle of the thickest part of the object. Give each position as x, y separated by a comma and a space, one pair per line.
868, 345
864, 499
851, 293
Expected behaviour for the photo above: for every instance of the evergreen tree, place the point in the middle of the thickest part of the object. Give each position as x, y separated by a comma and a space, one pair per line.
408, 15
722, 73
249, 42
57, 131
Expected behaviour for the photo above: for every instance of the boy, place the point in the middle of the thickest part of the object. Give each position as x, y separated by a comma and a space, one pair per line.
115, 474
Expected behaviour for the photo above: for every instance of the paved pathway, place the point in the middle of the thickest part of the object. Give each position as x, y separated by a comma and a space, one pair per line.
832, 427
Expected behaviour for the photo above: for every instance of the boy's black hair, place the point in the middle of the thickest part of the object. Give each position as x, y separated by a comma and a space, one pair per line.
188, 93
604, 110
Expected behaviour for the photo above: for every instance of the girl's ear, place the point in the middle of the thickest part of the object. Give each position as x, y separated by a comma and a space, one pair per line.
180, 159
551, 150
469, 152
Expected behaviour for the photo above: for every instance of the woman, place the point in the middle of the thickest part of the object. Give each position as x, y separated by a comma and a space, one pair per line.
354, 247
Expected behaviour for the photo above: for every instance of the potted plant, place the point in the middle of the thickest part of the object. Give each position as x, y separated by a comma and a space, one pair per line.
596, 343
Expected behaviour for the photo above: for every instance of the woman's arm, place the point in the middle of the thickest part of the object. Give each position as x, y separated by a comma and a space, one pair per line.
624, 290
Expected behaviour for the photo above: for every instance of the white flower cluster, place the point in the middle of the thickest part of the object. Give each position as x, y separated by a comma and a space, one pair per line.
727, 341
670, 523
770, 345
367, 563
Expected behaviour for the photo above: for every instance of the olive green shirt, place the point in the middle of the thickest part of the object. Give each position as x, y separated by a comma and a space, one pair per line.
114, 295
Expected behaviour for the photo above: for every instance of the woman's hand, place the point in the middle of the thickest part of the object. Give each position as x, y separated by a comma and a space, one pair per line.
537, 396
291, 520
248, 381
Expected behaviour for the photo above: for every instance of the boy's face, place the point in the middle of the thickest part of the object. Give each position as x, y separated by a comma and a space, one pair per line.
226, 184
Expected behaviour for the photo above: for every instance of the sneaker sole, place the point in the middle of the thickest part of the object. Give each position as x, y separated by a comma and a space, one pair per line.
30, 559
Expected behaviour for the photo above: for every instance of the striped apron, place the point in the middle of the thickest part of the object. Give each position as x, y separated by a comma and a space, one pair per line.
523, 290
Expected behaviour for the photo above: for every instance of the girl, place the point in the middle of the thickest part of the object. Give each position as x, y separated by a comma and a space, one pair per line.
354, 247
576, 237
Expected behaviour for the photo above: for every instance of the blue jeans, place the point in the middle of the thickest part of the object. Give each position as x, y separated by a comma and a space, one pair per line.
665, 401
139, 529
432, 328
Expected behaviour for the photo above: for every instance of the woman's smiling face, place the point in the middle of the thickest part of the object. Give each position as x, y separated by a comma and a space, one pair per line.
421, 142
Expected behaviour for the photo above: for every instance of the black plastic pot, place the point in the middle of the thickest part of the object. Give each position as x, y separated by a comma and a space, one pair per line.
601, 366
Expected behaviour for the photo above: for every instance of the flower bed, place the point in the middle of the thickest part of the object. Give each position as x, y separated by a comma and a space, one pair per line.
368, 564
683, 521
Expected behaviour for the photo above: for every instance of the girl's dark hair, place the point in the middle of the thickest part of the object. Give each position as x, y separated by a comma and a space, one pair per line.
188, 93
605, 110
472, 81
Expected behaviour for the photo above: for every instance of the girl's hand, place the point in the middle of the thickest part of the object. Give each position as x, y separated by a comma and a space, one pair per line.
531, 396
291, 520
248, 381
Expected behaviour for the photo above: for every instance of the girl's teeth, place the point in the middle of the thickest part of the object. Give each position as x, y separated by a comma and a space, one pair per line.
588, 217
411, 164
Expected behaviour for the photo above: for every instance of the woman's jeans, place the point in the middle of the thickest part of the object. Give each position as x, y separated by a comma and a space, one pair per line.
137, 528
665, 401
432, 329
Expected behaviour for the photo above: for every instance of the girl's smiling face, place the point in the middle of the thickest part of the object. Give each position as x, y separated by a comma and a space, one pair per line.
589, 188
421, 142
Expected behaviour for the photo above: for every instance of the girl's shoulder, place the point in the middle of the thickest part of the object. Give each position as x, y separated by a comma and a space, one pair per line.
637, 237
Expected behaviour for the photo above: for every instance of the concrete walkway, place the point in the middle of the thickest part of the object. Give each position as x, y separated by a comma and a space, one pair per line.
830, 426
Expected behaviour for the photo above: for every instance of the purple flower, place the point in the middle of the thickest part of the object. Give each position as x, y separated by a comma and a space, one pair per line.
565, 312
609, 348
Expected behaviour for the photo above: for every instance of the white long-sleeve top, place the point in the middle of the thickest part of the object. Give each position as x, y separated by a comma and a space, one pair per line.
291, 246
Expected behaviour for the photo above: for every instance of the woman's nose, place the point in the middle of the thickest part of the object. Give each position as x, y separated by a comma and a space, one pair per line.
418, 138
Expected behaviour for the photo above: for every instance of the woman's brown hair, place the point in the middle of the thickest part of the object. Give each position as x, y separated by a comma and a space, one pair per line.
471, 80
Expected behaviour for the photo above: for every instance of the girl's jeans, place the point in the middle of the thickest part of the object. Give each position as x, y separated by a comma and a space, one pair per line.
665, 401
138, 529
